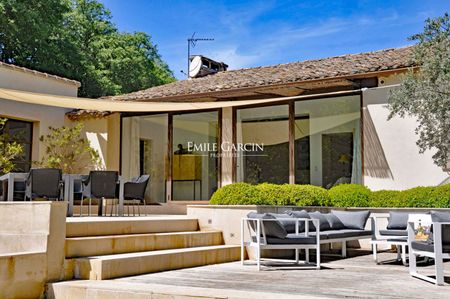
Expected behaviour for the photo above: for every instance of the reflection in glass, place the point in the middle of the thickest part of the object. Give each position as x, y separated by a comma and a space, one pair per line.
267, 126
22, 133
194, 157
327, 141
144, 151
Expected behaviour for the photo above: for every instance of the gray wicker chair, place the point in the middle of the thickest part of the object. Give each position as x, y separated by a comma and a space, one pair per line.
134, 192
99, 185
44, 183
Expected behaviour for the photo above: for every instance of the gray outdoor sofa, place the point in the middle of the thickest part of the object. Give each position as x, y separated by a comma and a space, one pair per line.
301, 230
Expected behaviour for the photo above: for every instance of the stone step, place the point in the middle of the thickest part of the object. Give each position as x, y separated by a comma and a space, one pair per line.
103, 226
127, 264
106, 245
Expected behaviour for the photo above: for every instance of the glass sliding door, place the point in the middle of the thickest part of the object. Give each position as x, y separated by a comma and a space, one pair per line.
328, 141
263, 144
21, 132
195, 155
144, 151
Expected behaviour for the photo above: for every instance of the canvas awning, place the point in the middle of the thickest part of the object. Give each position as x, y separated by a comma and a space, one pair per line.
133, 106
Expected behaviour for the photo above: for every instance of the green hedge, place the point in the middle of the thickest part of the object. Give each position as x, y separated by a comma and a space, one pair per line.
345, 195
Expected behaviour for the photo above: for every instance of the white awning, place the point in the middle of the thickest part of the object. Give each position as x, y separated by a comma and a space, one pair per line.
129, 106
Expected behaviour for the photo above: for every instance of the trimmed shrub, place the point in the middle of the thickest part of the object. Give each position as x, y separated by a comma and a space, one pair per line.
306, 195
237, 194
349, 195
346, 195
386, 199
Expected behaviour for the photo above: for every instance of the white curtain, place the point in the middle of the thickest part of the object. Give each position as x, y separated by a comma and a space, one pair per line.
356, 163
134, 146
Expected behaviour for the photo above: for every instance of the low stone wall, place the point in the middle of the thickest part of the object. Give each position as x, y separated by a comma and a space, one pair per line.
32, 236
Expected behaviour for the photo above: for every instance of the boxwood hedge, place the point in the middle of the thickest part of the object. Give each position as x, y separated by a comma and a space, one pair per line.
345, 195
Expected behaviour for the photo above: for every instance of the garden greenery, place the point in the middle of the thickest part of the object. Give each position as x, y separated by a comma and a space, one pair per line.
67, 149
345, 195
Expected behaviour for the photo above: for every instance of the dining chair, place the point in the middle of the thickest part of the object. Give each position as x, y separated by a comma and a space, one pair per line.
100, 185
44, 183
134, 192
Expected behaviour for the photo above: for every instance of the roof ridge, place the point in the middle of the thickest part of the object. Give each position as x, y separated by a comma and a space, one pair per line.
317, 59
39, 73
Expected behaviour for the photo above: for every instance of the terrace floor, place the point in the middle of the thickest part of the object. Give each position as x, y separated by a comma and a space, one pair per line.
354, 277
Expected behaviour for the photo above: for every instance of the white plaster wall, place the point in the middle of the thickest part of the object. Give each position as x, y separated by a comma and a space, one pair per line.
41, 116
407, 168
20, 80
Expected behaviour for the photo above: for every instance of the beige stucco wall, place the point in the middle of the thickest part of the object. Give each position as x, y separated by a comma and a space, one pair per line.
391, 156
27, 81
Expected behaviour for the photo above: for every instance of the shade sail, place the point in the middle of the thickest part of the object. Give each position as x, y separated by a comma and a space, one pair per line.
129, 106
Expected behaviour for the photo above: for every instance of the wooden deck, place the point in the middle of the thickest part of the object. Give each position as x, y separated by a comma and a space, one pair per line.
354, 277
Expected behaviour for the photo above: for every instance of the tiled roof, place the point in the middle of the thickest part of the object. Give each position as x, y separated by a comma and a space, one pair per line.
37, 73
303, 71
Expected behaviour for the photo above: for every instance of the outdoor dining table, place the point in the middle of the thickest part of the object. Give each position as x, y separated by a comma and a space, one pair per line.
8, 180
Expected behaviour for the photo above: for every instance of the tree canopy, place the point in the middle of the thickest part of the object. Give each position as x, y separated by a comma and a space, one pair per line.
425, 94
77, 39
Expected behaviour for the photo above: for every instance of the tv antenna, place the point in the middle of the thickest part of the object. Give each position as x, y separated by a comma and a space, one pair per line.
192, 41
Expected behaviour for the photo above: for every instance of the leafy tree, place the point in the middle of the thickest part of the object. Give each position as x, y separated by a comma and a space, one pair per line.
68, 150
426, 94
9, 150
79, 41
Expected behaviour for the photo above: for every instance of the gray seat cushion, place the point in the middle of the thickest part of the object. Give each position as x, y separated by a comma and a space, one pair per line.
293, 239
323, 221
394, 232
287, 221
352, 220
345, 233
426, 246
303, 215
397, 220
437, 216
271, 228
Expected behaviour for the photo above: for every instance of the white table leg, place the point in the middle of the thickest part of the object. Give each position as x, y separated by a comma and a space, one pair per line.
10, 186
70, 189
121, 196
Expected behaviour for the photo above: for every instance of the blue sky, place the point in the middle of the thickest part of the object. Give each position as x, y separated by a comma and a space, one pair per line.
259, 33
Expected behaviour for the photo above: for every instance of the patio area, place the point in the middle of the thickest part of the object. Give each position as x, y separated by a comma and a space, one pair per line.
354, 277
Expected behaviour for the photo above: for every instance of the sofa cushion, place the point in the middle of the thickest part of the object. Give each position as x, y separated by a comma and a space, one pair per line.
397, 220
425, 246
293, 239
345, 233
323, 221
352, 220
437, 216
394, 232
286, 220
303, 215
271, 228
334, 221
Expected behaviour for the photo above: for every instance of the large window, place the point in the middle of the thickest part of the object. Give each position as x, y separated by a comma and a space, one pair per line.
327, 141
144, 151
263, 144
316, 142
195, 155
22, 133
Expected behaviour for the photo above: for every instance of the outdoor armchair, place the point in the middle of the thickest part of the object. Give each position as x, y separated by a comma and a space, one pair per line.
44, 183
437, 246
394, 234
134, 192
100, 185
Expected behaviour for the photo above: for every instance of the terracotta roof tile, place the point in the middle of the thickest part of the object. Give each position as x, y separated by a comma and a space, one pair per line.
338, 66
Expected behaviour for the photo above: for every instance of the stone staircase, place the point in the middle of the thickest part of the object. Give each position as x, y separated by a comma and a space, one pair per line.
105, 248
